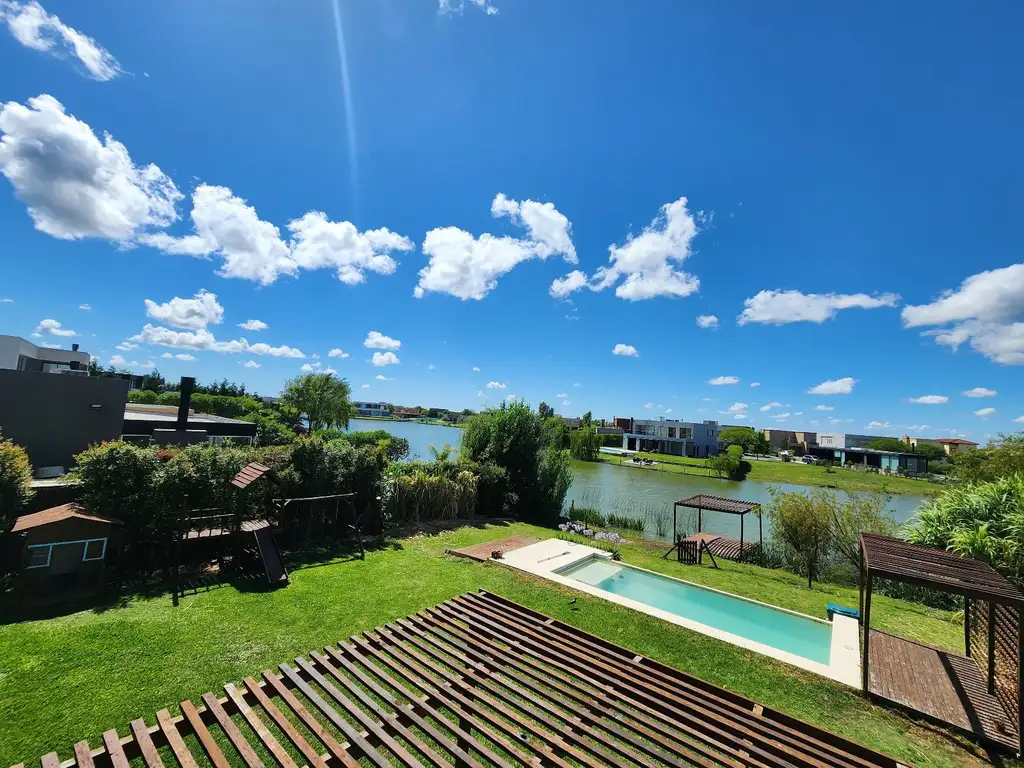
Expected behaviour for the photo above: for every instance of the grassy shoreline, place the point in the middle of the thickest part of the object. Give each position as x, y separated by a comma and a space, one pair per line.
795, 473
144, 655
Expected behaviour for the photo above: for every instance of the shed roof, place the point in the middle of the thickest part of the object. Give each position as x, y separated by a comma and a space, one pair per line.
55, 515
887, 557
718, 504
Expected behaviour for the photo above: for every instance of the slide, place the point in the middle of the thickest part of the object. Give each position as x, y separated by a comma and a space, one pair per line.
271, 556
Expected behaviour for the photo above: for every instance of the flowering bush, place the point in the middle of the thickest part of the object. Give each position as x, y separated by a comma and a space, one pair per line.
581, 530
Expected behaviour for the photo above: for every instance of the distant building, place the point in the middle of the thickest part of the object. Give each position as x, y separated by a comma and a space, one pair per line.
673, 437
17, 354
625, 423
572, 422
790, 440
950, 445
372, 409
847, 441
401, 412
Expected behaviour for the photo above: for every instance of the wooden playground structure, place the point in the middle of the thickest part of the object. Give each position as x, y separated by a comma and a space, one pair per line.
254, 541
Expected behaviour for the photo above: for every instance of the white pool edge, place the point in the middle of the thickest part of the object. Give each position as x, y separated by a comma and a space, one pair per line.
546, 557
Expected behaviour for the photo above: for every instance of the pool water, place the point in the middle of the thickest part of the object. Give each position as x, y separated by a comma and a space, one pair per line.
790, 632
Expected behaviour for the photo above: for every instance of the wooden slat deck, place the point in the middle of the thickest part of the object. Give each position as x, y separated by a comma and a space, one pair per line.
475, 681
482, 552
944, 686
729, 548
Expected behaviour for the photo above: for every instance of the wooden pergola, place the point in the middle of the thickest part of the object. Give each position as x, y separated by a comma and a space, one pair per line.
704, 501
979, 692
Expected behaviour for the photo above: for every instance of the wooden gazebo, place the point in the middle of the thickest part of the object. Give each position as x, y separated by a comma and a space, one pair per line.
979, 692
723, 546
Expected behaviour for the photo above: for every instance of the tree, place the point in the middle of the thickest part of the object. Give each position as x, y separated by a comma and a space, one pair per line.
741, 436
433, 413
154, 381
803, 525
545, 411
554, 433
888, 444
15, 482
729, 464
270, 430
584, 443
761, 446
586, 418
321, 398
467, 412
930, 452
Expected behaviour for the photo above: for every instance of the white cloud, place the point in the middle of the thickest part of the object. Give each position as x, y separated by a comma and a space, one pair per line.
50, 327
769, 406
738, 416
6, 301
648, 405
126, 346
476, 369
381, 359
781, 416
309, 367
202, 339
468, 267
431, 367
453, 7
480, 393
707, 399
669, 410
85, 307
253, 325
377, 340
755, 383
250, 364
180, 356
563, 286
337, 353
930, 400
34, 28
117, 360
842, 386
648, 264
737, 408
627, 350
1019, 420
330, 371
982, 311
253, 249
782, 307
497, 385
561, 394
382, 377
544, 223
511, 398
878, 425
984, 412
74, 185
915, 427
707, 321
364, 386
192, 313
719, 381
566, 402
577, 384
980, 392
824, 408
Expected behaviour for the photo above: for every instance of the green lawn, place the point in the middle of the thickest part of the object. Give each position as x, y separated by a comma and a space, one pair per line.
797, 473
72, 677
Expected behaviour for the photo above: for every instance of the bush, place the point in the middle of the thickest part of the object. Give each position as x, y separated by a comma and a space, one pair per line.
584, 444
421, 497
15, 482
800, 525
588, 515
270, 430
216, 405
145, 396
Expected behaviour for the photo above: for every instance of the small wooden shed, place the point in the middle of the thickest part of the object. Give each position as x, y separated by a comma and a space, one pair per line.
65, 548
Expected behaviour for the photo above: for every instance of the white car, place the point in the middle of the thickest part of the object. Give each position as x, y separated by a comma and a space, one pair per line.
809, 459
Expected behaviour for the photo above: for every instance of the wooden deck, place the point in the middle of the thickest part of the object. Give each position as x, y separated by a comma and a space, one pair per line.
475, 681
482, 552
729, 548
944, 686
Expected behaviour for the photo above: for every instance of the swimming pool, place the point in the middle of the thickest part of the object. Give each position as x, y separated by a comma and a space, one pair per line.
789, 632
828, 648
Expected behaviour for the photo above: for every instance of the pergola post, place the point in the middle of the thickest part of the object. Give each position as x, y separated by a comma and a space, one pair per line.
742, 518
867, 633
675, 536
700, 519
967, 627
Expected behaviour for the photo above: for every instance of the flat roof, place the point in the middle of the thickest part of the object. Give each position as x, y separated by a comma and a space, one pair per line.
171, 418
718, 504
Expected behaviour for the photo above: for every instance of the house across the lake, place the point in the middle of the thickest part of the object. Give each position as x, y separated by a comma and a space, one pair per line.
673, 437
372, 409
950, 445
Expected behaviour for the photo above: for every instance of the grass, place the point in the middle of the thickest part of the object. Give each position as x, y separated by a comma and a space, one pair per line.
72, 677
796, 473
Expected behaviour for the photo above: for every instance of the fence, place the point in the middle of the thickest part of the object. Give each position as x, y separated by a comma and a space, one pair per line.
997, 653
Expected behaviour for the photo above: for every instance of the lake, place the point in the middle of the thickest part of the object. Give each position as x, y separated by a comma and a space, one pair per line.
625, 490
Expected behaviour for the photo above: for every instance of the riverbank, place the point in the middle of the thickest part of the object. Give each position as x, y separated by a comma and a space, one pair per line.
791, 473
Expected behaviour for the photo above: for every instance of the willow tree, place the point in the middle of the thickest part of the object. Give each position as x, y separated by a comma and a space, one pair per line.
321, 399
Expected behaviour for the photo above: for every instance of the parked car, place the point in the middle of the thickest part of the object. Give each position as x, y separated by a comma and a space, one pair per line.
809, 459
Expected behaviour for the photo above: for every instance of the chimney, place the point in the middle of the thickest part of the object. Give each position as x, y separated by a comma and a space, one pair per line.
188, 383
74, 347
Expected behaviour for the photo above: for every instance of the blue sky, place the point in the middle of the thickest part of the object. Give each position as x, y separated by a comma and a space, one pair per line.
524, 188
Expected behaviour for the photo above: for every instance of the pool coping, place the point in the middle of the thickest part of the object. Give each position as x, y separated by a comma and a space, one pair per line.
546, 558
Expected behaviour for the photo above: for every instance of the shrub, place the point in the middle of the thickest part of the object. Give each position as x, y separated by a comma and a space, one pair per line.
588, 515
801, 526
145, 396
217, 405
420, 497
626, 523
15, 482
584, 444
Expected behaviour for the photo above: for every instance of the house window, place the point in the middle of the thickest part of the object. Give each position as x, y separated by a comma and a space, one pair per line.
95, 549
39, 555
711, 433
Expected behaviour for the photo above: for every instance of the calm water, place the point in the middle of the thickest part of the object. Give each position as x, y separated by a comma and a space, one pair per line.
625, 490
788, 632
